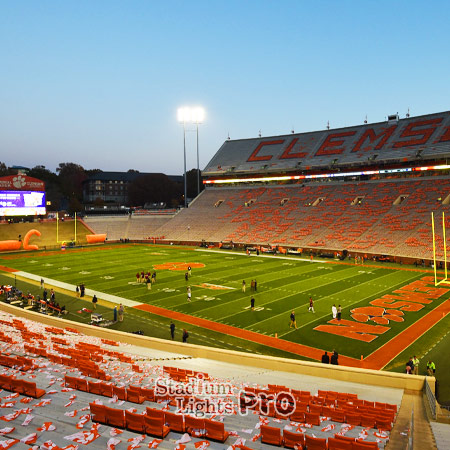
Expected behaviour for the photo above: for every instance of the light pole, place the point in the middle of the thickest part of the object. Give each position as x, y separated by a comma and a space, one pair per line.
190, 115
198, 116
182, 115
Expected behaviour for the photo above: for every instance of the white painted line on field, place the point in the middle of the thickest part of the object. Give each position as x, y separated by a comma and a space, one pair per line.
289, 258
71, 287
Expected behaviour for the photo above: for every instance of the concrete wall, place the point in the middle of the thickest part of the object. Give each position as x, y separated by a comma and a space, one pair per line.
342, 373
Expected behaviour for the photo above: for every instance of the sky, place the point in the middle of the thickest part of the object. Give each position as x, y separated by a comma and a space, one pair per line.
98, 83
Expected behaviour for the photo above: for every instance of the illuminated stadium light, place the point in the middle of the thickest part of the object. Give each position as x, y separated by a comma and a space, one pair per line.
195, 115
326, 175
187, 114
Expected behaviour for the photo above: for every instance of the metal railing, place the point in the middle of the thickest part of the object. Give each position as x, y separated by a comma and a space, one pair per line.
431, 398
410, 445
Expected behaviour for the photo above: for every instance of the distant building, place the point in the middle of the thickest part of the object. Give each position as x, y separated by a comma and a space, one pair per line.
112, 187
20, 169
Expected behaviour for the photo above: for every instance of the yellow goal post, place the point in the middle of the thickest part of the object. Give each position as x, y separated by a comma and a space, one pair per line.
445, 280
58, 241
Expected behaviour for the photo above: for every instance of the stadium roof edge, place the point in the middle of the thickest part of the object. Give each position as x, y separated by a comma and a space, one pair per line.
424, 137
335, 129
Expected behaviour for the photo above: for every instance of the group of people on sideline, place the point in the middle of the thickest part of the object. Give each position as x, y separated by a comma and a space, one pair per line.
184, 336
326, 359
412, 367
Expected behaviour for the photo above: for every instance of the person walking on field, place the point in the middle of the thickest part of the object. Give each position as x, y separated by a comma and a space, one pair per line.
339, 312
334, 311
120, 313
293, 321
311, 305
188, 293
252, 303
243, 286
94, 302
172, 330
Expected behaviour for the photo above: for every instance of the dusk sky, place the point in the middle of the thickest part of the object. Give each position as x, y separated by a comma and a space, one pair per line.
98, 83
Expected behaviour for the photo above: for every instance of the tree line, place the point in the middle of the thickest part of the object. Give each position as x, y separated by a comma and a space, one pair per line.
64, 189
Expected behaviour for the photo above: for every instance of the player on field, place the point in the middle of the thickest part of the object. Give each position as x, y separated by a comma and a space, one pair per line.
293, 321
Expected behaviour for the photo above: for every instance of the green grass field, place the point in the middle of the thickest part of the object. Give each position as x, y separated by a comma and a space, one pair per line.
283, 284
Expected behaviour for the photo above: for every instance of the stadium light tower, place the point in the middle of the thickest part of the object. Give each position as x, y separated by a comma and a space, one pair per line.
195, 116
198, 115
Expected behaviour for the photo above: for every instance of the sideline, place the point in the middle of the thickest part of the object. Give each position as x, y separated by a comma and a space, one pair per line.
280, 344
71, 288
321, 261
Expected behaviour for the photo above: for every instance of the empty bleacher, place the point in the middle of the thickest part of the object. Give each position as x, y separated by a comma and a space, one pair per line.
60, 387
390, 217
128, 227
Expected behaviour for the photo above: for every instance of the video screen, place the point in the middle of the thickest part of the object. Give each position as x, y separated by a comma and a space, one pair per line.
22, 203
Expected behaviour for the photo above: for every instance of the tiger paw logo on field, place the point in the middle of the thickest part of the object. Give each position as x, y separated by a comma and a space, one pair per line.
19, 181
179, 266
375, 314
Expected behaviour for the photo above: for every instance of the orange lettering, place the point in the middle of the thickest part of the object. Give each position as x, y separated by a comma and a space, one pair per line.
403, 306
330, 145
445, 137
353, 330
254, 157
421, 135
370, 134
408, 297
287, 153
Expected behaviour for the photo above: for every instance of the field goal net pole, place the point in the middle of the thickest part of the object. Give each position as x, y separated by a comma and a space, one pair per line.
445, 279
57, 229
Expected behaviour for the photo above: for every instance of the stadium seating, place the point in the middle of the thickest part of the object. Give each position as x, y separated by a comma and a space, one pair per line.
130, 404
389, 217
215, 431
175, 422
271, 435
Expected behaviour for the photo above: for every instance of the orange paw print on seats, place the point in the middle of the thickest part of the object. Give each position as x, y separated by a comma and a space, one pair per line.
181, 266
376, 314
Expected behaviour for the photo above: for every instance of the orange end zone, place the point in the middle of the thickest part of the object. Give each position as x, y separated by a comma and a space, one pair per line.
387, 352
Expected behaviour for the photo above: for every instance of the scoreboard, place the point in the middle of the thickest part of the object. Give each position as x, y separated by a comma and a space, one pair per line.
22, 203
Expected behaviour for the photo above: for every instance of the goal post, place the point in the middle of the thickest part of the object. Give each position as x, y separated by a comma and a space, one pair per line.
445, 280
58, 241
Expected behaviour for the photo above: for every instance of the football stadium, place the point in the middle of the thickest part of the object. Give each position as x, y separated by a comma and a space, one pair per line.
224, 225
214, 325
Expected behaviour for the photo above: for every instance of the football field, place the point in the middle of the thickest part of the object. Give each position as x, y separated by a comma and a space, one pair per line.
385, 308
